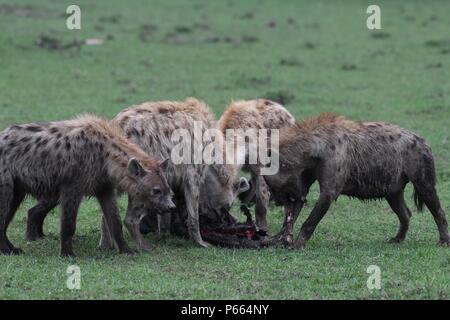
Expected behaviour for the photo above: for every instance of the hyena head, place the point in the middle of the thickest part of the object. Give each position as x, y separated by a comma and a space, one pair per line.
286, 190
152, 191
217, 195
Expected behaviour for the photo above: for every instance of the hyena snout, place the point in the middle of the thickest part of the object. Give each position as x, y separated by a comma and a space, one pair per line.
167, 203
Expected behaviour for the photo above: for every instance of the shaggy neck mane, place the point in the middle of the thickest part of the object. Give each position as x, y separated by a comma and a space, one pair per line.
119, 151
300, 140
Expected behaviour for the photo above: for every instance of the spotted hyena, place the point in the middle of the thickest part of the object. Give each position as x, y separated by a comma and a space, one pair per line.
197, 186
256, 114
204, 189
68, 160
365, 160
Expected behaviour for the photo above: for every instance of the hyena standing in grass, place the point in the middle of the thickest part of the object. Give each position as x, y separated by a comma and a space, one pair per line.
64, 161
199, 188
256, 114
366, 160
151, 125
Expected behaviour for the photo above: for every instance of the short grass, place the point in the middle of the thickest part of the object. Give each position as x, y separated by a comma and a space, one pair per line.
314, 56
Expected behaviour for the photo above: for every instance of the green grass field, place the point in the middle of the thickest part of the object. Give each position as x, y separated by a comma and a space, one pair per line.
314, 56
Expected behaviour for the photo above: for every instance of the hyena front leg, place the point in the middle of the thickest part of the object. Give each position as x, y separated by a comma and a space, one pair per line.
320, 209
70, 203
132, 222
192, 196
262, 202
36, 217
111, 224
106, 241
10, 201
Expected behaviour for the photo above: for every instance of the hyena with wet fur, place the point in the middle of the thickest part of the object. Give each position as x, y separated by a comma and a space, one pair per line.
366, 160
199, 187
256, 114
65, 161
205, 189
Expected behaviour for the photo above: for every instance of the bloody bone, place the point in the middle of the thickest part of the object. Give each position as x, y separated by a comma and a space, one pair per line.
235, 234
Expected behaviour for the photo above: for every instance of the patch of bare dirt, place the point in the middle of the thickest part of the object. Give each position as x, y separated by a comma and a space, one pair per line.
146, 32
291, 62
247, 15
349, 66
379, 35
55, 44
114, 19
250, 39
442, 43
28, 11
310, 45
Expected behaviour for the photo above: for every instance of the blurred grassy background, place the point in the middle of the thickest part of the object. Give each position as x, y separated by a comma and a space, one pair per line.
313, 56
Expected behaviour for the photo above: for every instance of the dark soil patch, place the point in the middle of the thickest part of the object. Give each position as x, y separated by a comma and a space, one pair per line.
247, 15
438, 43
99, 27
217, 39
434, 65
114, 19
348, 66
201, 26
54, 44
174, 38
291, 21
250, 39
183, 29
282, 96
146, 32
28, 11
379, 35
272, 24
146, 64
310, 45
291, 62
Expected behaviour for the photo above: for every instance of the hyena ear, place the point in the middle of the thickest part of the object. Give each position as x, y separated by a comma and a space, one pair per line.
135, 168
164, 164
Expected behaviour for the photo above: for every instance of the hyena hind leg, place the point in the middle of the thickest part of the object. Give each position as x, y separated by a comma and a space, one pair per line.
69, 210
36, 217
398, 205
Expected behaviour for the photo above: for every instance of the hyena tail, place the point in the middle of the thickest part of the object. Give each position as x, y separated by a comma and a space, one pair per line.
425, 181
418, 200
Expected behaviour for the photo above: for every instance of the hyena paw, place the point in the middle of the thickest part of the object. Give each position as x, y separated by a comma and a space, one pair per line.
16, 251
105, 246
204, 244
444, 242
299, 245
145, 247
395, 240
127, 250
30, 237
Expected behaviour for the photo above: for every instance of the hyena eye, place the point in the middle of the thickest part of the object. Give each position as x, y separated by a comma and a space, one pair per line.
156, 191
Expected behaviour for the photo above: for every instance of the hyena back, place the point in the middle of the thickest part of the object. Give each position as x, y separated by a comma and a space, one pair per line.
366, 160
150, 125
64, 161
256, 114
